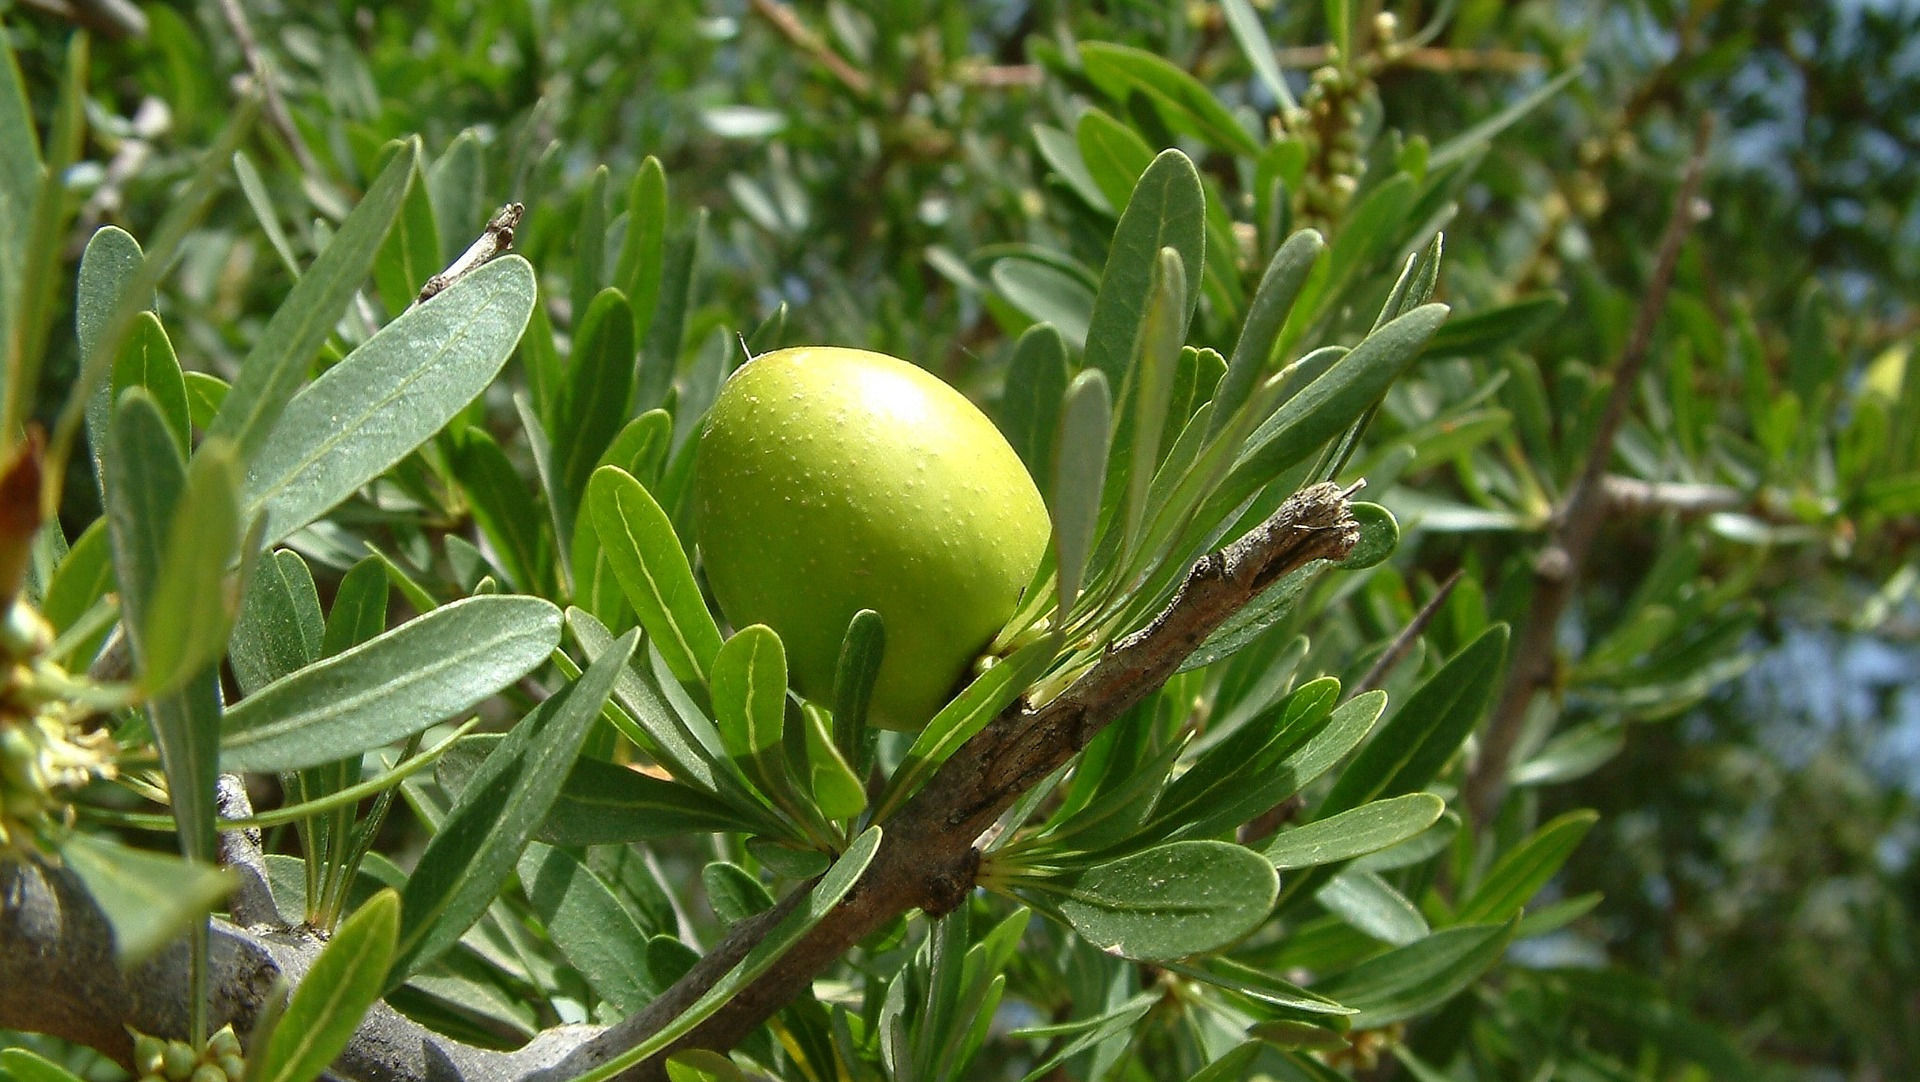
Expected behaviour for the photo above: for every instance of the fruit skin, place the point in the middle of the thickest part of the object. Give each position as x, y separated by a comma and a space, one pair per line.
829, 480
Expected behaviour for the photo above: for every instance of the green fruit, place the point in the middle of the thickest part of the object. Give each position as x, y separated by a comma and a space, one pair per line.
829, 480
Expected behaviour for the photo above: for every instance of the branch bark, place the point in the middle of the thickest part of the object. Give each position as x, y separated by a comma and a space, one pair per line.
57, 974
1558, 566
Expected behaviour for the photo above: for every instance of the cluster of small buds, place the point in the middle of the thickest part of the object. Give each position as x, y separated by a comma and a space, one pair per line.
44, 750
176, 1061
1327, 122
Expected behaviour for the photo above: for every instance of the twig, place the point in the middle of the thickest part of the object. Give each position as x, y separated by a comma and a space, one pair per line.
492, 243
252, 901
112, 18
803, 37
1557, 568
1396, 652
276, 106
1506, 61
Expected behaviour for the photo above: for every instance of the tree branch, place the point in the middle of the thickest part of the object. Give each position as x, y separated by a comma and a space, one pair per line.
57, 973
1558, 565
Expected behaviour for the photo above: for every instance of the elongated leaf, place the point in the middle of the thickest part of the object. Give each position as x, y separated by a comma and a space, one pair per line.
386, 398
398, 684
278, 362
858, 666
831, 780
1244, 22
1353, 833
1279, 287
1481, 333
1086, 1032
604, 804
411, 253
81, 578
660, 347
1480, 135
333, 997
144, 482
1415, 978
1079, 472
1156, 357
1182, 101
1409, 751
193, 605
147, 360
1114, 154
1167, 210
148, 898
593, 401
688, 753
1046, 293
585, 919
590, 245
643, 252
1522, 871
109, 264
280, 629
502, 505
821, 898
25, 1065
640, 544
479, 842
1327, 405
359, 612
1030, 403
1172, 901
1368, 903
749, 686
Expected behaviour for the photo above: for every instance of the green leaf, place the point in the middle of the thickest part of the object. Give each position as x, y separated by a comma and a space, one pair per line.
1155, 359
109, 264
1366, 902
255, 191
326, 1009
594, 931
1325, 407
733, 893
1078, 474
280, 629
359, 612
502, 506
590, 248
479, 842
204, 395
25, 1065
660, 347
1244, 23
1379, 536
1182, 101
1046, 293
1481, 333
281, 354
1060, 152
393, 686
1356, 832
81, 578
643, 253
1171, 901
1413, 979
1481, 135
640, 544
144, 484
386, 398
1030, 403
1522, 871
1412, 747
749, 690
148, 898
967, 714
411, 253
819, 902
593, 400
1167, 210
604, 804
1280, 286
858, 666
1114, 156
192, 609
832, 781
147, 360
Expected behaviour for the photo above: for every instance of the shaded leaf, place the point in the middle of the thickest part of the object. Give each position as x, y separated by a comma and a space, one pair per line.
333, 997
1172, 901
